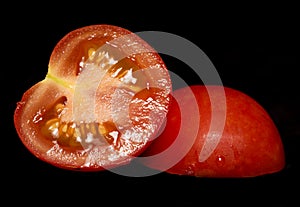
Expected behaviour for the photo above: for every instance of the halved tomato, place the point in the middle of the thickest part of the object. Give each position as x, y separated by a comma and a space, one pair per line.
103, 99
246, 144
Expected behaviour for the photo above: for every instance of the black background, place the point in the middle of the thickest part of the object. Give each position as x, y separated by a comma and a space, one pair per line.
253, 51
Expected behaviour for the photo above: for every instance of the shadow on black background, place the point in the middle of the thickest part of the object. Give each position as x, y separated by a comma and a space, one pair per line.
255, 56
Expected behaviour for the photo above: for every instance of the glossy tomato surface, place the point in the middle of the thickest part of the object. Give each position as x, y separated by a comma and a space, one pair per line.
247, 144
105, 95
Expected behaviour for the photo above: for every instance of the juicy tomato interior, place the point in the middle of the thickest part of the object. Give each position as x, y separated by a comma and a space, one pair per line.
104, 97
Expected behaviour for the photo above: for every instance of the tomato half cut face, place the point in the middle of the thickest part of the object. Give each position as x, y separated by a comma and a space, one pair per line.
104, 97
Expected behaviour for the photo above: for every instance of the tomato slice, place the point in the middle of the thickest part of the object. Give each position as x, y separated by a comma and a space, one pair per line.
249, 145
104, 97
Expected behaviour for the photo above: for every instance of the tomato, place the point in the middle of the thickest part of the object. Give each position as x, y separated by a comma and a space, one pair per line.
103, 99
249, 142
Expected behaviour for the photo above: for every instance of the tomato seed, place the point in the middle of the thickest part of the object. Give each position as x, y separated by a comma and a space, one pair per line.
79, 135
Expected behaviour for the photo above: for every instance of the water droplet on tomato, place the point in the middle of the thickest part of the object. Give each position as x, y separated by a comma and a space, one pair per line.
190, 169
220, 160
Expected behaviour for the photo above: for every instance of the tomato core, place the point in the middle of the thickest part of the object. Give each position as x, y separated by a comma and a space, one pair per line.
76, 136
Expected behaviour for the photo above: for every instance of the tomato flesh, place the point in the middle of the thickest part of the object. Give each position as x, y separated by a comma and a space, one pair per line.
250, 144
91, 110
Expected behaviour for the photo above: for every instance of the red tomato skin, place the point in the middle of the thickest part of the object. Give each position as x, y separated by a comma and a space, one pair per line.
250, 143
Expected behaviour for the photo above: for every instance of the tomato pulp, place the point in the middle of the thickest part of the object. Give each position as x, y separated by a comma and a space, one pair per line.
104, 97
249, 145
